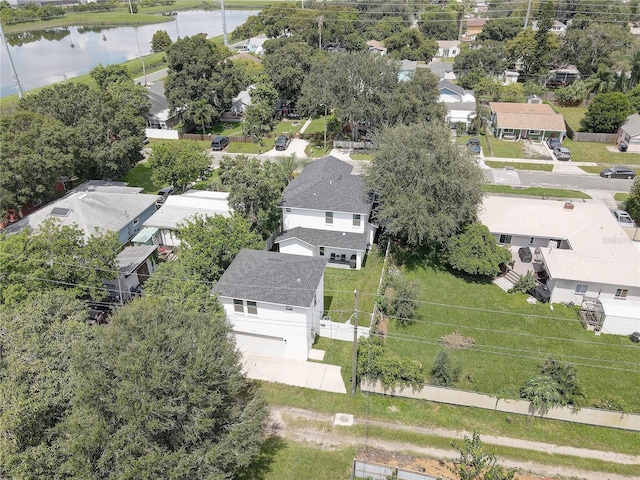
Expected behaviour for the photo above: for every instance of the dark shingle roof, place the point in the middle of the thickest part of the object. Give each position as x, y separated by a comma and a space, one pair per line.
130, 258
327, 238
632, 125
327, 184
445, 84
272, 277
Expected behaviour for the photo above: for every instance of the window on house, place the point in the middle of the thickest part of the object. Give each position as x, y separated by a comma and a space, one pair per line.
534, 132
581, 289
505, 239
136, 221
508, 130
322, 251
621, 293
288, 308
531, 240
328, 218
356, 220
288, 210
238, 306
252, 308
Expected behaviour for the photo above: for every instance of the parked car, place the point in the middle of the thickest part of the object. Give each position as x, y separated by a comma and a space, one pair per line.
219, 142
623, 218
554, 142
562, 153
473, 144
166, 191
541, 293
618, 172
282, 142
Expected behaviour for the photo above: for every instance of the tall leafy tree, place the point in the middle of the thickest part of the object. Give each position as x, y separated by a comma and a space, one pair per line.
500, 29
103, 76
178, 163
167, 399
255, 191
475, 251
56, 256
487, 58
36, 384
427, 188
411, 44
160, 41
440, 23
415, 100
209, 244
202, 112
607, 112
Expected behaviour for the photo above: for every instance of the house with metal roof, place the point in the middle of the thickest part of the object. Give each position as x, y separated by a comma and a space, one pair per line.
519, 121
460, 103
629, 133
96, 207
581, 251
162, 227
135, 265
326, 213
274, 302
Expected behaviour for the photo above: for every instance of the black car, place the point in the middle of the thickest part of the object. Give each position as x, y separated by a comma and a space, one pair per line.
554, 142
473, 144
219, 143
618, 172
282, 142
541, 293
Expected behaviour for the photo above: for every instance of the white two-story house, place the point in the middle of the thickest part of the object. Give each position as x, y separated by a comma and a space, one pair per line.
274, 302
325, 213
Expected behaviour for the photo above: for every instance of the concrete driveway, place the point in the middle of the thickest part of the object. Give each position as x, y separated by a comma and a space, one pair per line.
318, 376
297, 147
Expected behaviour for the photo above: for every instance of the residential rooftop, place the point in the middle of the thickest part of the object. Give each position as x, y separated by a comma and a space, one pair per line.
177, 209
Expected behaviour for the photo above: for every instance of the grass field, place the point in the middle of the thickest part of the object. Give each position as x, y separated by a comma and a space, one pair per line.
317, 124
520, 166
621, 197
141, 176
536, 191
492, 147
361, 156
599, 153
572, 115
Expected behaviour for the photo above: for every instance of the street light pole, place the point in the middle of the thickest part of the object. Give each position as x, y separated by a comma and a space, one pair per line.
325, 128
16, 80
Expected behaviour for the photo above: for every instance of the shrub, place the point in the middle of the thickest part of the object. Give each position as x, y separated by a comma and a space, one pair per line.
377, 362
524, 284
444, 372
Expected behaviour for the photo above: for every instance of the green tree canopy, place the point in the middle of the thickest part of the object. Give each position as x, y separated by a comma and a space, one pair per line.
209, 244
476, 463
56, 256
475, 251
201, 112
178, 163
633, 202
167, 398
427, 188
440, 23
607, 112
485, 59
287, 63
160, 41
103, 76
255, 190
415, 100
500, 29
411, 44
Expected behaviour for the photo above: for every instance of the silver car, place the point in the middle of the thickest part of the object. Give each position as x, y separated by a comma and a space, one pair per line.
562, 153
623, 218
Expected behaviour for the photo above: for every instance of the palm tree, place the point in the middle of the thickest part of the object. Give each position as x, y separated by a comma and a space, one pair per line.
602, 81
201, 111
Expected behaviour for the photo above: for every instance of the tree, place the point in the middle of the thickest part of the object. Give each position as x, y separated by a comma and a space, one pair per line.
439, 23
415, 100
287, 63
555, 385
410, 44
500, 29
103, 76
475, 251
160, 41
166, 400
473, 64
36, 384
255, 191
476, 464
444, 372
211, 243
607, 113
399, 300
56, 256
602, 81
178, 163
632, 204
201, 111
427, 188
542, 393
534, 50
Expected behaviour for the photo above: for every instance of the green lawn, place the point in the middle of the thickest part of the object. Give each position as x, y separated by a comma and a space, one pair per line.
246, 147
621, 197
492, 147
520, 166
361, 156
572, 115
317, 124
536, 191
140, 176
339, 285
317, 152
227, 128
598, 153
288, 126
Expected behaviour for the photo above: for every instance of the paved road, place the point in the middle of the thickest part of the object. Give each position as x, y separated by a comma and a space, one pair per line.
572, 181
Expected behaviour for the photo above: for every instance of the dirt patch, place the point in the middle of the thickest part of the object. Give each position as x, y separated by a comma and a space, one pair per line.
535, 150
430, 466
457, 341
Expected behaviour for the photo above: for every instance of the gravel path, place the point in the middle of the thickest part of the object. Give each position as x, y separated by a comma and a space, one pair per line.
308, 426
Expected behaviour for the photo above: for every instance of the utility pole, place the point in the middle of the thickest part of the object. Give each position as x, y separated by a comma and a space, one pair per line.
320, 22
325, 129
224, 25
16, 80
461, 23
526, 19
354, 371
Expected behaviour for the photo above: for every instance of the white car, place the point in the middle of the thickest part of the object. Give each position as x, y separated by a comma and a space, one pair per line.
623, 218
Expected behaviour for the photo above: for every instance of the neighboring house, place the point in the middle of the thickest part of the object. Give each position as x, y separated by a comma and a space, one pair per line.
135, 265
582, 251
255, 44
442, 70
629, 133
240, 102
325, 213
531, 121
96, 207
448, 48
474, 27
558, 28
161, 228
510, 76
159, 115
460, 103
376, 47
274, 302
406, 70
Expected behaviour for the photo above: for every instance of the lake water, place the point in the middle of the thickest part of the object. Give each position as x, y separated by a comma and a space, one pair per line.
68, 53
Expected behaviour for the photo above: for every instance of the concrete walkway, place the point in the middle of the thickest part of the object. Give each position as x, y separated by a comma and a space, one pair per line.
317, 376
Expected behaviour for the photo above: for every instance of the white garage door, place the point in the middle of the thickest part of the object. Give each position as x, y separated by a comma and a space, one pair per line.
260, 344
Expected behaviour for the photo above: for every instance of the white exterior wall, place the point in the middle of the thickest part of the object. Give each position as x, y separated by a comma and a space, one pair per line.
342, 222
564, 291
169, 237
294, 246
464, 116
523, 241
620, 325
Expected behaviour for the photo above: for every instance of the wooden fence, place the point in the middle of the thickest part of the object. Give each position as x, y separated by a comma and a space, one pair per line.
590, 136
209, 137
